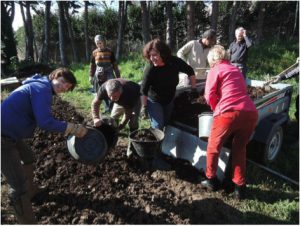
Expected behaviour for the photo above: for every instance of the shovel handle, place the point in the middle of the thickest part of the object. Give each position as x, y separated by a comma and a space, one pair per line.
295, 64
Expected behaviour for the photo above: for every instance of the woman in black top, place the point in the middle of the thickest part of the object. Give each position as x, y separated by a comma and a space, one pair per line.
160, 81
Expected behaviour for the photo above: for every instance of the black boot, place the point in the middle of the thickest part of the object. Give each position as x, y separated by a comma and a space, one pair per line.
239, 192
211, 184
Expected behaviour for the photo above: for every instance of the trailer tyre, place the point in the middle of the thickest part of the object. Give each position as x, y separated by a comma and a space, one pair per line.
273, 144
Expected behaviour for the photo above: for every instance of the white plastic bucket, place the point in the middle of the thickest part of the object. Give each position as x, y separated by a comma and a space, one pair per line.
204, 125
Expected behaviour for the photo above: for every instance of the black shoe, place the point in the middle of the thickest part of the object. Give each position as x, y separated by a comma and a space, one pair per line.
210, 184
228, 186
239, 192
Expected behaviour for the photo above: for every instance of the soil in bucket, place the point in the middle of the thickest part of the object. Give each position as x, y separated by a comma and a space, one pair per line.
144, 135
147, 144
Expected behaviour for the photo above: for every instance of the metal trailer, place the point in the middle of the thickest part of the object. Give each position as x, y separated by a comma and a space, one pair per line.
273, 111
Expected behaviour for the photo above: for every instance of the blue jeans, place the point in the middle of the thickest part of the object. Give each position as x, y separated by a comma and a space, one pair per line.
159, 114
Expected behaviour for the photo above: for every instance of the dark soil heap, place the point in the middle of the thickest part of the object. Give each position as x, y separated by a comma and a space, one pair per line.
116, 191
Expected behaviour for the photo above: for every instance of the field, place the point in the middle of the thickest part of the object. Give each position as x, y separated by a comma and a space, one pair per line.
119, 191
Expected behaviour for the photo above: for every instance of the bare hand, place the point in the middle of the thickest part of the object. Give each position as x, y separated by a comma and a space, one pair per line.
97, 122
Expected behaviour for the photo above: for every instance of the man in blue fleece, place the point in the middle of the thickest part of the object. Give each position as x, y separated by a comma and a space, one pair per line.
22, 111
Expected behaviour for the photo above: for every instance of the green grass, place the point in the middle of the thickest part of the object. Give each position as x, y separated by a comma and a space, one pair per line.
132, 67
80, 97
272, 57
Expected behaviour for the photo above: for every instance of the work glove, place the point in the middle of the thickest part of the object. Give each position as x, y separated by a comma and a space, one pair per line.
77, 130
144, 112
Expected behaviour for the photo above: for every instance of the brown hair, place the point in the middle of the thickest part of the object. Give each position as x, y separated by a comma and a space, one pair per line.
161, 47
66, 74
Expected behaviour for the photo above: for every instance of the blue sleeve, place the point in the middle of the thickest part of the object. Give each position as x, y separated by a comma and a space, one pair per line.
41, 100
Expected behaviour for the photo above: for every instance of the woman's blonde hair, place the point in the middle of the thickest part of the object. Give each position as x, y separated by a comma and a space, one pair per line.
216, 54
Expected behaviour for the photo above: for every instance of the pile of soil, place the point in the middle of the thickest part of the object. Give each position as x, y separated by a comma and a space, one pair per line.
116, 191
259, 92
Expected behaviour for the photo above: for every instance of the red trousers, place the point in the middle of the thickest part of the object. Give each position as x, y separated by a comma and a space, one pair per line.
240, 124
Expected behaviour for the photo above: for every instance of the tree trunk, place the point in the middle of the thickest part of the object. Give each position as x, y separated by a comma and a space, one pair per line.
122, 17
145, 22
170, 25
11, 12
232, 21
260, 21
8, 42
45, 52
296, 18
190, 8
70, 31
30, 31
63, 58
26, 31
86, 37
214, 15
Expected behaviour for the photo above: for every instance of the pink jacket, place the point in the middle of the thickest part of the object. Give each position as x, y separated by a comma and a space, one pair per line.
226, 90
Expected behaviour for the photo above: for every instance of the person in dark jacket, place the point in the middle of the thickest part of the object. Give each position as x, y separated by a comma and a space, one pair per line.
161, 77
22, 111
238, 50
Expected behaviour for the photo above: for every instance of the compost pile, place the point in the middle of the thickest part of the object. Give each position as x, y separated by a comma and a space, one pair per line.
259, 92
116, 191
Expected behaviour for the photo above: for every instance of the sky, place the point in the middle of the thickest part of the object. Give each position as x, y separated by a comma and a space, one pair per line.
18, 21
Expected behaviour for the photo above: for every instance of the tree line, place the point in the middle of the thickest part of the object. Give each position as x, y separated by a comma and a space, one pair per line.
58, 33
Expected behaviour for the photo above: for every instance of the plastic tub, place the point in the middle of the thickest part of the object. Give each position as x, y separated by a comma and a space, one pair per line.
204, 125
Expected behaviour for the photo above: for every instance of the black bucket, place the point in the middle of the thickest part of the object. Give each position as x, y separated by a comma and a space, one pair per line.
110, 133
147, 148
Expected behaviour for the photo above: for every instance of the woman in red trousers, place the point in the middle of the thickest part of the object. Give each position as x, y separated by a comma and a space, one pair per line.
234, 115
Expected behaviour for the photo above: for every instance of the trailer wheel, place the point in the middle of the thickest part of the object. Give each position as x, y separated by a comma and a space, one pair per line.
273, 145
